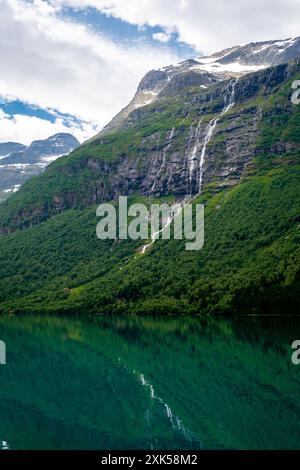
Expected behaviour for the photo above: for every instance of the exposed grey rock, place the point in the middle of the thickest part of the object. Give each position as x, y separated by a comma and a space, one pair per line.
210, 128
206, 71
162, 165
263, 53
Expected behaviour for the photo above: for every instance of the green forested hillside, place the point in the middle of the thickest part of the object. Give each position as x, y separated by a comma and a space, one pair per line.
250, 260
250, 263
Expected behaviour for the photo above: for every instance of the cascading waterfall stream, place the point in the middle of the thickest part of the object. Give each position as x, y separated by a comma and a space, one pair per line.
169, 220
156, 155
229, 103
176, 210
192, 157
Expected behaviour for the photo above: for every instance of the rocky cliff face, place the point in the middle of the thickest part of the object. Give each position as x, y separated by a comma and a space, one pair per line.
159, 83
201, 128
261, 53
202, 137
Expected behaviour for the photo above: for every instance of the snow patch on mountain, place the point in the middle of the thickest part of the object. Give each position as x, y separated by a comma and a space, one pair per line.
205, 72
235, 67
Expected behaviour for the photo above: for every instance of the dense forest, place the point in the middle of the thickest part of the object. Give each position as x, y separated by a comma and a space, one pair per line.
52, 262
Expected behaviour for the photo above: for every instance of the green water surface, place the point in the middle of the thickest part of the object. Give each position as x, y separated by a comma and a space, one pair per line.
149, 383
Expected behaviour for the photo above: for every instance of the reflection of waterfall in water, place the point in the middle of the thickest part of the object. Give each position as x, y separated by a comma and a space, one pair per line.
163, 164
174, 420
228, 104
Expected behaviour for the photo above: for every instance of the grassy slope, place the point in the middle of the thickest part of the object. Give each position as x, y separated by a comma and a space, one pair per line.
250, 261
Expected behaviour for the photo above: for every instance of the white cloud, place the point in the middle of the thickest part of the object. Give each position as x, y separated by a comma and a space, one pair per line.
52, 62
208, 25
25, 129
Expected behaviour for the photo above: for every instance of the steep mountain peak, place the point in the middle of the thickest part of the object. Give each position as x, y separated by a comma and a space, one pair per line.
155, 82
205, 71
256, 54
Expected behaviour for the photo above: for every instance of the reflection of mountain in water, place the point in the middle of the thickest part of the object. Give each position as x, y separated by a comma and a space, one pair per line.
164, 383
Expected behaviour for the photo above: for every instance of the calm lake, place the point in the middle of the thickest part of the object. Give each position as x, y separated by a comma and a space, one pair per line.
149, 383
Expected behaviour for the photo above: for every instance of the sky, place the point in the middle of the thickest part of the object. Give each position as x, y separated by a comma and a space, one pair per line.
71, 65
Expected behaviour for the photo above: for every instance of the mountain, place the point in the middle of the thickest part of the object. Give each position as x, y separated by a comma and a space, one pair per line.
220, 131
265, 53
206, 71
10, 147
18, 163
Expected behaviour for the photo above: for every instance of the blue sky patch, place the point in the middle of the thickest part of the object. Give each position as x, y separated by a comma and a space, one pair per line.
122, 31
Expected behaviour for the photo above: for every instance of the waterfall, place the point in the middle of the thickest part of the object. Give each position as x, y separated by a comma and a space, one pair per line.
228, 104
165, 152
176, 209
192, 157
